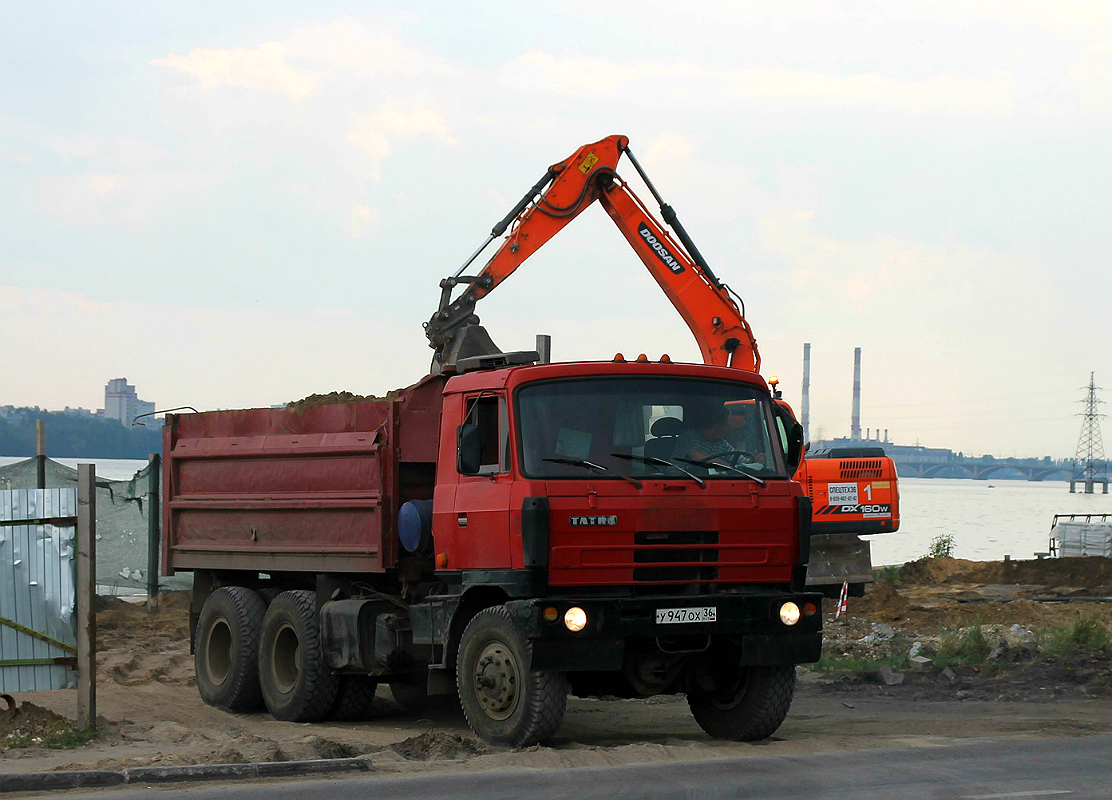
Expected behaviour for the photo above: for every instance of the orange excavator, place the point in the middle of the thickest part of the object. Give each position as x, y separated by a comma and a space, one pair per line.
851, 493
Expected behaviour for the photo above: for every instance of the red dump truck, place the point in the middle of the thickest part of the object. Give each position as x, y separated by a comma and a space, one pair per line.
506, 530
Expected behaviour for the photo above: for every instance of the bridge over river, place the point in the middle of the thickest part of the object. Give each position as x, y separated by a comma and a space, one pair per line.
1032, 469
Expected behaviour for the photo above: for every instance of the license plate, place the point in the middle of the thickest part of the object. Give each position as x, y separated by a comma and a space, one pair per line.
665, 616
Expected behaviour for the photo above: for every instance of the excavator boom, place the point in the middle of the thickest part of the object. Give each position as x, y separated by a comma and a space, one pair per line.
568, 188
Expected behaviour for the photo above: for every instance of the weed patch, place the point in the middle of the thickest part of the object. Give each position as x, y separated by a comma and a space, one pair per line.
965, 647
942, 546
1086, 633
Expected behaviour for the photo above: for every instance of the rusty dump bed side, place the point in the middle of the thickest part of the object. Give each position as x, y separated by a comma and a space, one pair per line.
310, 489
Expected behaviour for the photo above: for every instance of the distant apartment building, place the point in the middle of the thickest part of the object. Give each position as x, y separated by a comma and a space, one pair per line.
122, 404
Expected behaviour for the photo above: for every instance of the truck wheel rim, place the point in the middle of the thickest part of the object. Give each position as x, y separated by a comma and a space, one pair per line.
218, 652
497, 680
285, 659
731, 696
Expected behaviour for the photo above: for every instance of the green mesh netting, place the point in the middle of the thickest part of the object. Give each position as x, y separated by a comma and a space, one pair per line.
121, 524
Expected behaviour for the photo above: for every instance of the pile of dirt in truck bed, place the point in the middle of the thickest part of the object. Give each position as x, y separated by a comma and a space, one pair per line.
333, 398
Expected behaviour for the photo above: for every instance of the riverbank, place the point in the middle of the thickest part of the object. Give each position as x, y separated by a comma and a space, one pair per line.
998, 636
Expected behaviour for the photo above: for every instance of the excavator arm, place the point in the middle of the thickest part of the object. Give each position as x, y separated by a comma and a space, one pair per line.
569, 187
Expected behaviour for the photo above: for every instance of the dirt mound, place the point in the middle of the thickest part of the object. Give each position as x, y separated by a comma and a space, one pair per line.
435, 746
882, 602
135, 625
333, 398
32, 726
1092, 573
327, 748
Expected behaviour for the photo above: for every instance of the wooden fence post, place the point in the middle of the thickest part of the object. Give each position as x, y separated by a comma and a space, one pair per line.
40, 454
86, 593
154, 519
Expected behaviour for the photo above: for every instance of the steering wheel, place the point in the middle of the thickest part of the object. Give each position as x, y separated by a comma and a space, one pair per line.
732, 455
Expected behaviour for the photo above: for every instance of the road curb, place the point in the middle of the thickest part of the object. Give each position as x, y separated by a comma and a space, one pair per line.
77, 779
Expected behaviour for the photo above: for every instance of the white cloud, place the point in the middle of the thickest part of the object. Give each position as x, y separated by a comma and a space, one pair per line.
92, 199
538, 71
264, 69
941, 94
671, 147
366, 222
375, 132
347, 45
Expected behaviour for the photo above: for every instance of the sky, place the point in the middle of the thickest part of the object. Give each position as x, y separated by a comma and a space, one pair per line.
240, 204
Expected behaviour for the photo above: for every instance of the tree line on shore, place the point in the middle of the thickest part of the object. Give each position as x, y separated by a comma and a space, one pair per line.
76, 436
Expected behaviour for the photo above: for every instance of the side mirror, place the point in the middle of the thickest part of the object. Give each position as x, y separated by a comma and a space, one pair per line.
795, 447
468, 449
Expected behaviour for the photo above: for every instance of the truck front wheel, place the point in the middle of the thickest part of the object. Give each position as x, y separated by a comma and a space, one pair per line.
506, 702
226, 656
746, 709
297, 684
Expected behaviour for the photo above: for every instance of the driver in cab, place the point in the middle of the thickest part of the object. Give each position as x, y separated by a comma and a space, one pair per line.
706, 438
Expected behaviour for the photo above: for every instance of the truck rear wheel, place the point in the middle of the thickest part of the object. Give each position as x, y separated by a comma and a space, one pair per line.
412, 695
297, 684
354, 699
505, 702
749, 709
226, 655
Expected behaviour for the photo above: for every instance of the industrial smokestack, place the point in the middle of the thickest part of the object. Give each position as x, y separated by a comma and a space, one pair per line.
806, 405
855, 420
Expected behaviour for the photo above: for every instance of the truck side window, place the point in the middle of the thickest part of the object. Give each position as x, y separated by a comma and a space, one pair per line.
489, 414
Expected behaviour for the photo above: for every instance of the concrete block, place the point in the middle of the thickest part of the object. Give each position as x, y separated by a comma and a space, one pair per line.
921, 663
889, 676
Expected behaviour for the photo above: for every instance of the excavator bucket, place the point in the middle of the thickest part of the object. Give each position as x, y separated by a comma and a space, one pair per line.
467, 341
838, 558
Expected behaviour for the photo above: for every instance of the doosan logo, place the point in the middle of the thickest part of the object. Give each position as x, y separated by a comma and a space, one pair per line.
604, 520
660, 250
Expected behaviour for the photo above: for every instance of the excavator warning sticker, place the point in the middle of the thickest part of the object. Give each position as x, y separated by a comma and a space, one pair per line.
587, 163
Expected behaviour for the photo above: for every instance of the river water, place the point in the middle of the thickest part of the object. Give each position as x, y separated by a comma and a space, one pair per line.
988, 519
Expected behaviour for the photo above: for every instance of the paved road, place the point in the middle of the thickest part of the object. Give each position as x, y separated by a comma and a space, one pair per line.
978, 770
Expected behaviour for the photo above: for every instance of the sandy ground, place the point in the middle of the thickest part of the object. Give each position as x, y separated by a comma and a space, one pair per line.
150, 712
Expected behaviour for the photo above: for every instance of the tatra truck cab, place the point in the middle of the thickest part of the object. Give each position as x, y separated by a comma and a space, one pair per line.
507, 531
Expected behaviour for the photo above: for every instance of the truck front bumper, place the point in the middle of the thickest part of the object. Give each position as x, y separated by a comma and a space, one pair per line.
612, 623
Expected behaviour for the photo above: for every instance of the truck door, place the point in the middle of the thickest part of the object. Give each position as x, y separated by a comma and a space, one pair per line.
482, 523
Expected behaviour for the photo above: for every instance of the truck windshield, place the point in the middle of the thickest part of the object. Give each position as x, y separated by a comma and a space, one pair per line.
707, 429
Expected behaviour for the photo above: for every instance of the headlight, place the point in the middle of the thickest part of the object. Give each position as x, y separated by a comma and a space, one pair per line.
575, 619
789, 613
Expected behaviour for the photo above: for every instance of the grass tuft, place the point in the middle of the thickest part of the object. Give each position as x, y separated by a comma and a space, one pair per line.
942, 546
965, 646
1087, 632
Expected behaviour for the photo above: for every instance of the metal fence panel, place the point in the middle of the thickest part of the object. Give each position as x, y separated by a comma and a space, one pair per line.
37, 586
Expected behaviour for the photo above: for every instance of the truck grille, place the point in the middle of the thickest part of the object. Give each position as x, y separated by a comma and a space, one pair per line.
860, 469
666, 548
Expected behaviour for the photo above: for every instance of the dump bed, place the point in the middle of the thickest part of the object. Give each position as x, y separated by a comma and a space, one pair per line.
310, 488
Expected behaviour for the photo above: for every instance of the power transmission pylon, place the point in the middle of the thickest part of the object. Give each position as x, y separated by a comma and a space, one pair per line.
1091, 466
